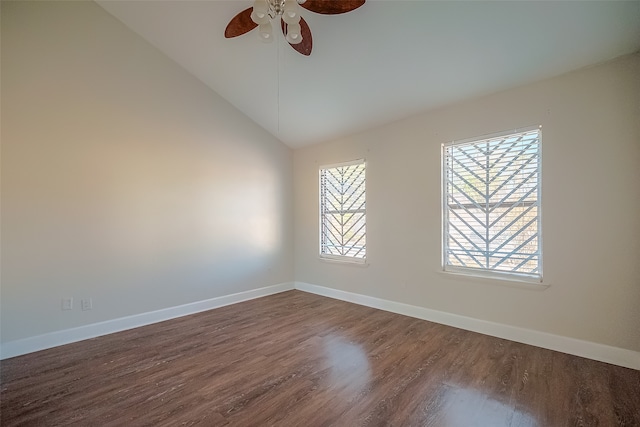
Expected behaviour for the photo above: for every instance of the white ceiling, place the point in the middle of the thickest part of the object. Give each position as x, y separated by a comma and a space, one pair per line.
384, 61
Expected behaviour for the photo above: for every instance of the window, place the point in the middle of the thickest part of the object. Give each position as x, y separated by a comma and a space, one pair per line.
491, 205
342, 212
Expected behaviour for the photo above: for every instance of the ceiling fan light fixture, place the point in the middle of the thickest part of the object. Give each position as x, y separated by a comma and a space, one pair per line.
294, 33
261, 7
286, 15
291, 20
291, 10
259, 18
266, 34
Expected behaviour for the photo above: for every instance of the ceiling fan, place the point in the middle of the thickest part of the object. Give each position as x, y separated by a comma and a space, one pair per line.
294, 27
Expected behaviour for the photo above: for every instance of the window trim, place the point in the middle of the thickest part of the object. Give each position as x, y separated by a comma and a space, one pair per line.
342, 259
487, 273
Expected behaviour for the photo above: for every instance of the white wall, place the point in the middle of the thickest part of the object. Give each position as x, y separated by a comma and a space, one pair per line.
591, 208
125, 179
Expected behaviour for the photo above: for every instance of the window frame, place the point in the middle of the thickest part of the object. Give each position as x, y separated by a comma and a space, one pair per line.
332, 257
535, 278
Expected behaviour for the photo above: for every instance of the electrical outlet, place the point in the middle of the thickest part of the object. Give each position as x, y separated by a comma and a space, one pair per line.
87, 304
67, 303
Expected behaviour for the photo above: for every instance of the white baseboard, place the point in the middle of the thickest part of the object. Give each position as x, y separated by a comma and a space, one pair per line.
590, 350
67, 336
587, 349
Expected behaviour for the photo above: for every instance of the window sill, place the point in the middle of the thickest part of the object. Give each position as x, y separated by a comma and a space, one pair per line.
345, 261
510, 282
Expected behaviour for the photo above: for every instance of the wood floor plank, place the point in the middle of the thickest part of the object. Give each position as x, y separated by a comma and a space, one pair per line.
296, 359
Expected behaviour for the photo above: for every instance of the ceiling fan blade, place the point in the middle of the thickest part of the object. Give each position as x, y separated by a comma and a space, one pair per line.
240, 24
304, 47
332, 7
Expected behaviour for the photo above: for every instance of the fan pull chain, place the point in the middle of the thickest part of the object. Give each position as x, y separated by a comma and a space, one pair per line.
278, 84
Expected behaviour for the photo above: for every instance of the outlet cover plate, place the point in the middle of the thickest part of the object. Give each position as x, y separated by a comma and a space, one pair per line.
87, 304
67, 303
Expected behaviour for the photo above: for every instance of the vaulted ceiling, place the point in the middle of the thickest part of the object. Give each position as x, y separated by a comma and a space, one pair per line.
384, 61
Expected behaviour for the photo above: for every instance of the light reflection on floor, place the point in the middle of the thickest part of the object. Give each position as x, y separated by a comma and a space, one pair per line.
349, 372
348, 364
465, 407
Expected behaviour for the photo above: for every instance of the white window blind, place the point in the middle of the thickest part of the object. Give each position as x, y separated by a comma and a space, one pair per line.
343, 212
491, 204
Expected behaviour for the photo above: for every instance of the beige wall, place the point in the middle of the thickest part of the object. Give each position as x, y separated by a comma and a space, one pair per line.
125, 179
591, 208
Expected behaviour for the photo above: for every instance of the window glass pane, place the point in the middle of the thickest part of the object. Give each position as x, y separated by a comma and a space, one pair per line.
342, 211
492, 204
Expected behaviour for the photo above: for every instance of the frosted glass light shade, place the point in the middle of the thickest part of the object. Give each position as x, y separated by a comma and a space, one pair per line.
294, 35
266, 34
291, 11
260, 7
259, 18
291, 20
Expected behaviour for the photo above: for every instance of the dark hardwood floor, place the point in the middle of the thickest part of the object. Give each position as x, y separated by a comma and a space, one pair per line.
296, 359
